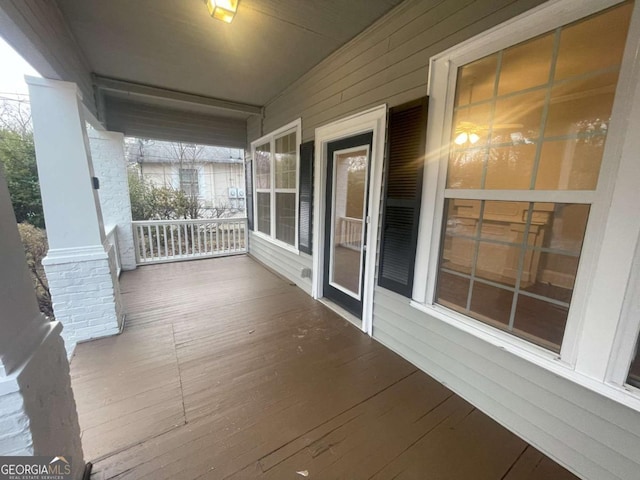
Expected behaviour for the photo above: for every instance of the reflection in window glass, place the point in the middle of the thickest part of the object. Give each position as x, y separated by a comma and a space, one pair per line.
512, 264
262, 162
285, 159
534, 116
519, 97
286, 217
276, 187
264, 212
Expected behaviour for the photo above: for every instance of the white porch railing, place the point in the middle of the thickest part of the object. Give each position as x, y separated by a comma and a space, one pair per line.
111, 237
159, 241
350, 232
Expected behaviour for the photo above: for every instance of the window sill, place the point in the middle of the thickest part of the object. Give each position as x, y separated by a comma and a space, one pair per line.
550, 361
276, 242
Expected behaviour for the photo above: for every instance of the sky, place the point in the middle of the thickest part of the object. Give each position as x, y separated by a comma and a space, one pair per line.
13, 70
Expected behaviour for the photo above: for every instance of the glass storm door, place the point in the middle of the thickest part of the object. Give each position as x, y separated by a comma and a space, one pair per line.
348, 162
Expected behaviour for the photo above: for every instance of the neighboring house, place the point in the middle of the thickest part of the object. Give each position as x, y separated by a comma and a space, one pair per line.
458, 179
215, 175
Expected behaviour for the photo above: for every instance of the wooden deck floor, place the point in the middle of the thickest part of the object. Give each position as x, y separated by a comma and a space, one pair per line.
226, 371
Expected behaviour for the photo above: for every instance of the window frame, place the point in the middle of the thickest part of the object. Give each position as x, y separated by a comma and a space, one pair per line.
195, 174
270, 138
601, 371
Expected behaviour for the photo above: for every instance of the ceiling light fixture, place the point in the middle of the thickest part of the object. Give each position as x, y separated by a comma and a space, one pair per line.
223, 10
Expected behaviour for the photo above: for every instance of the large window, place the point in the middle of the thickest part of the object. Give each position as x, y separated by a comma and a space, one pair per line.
275, 160
529, 125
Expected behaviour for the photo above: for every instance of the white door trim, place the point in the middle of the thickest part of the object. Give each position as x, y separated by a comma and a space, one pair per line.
373, 120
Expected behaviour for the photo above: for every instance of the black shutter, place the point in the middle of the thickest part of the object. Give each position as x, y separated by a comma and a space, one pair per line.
248, 188
402, 195
305, 208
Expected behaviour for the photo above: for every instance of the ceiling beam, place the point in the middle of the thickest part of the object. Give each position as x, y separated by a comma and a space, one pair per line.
116, 85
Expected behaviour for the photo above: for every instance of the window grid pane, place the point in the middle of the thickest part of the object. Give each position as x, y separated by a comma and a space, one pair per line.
286, 217
276, 184
263, 212
501, 261
571, 108
262, 162
285, 161
189, 181
529, 117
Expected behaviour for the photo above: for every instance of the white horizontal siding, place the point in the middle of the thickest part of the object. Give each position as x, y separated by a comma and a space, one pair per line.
283, 261
147, 121
387, 63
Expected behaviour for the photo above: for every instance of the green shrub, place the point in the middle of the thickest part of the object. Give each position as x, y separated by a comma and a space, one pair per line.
35, 244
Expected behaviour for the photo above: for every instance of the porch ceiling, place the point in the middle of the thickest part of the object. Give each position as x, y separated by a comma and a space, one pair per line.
178, 46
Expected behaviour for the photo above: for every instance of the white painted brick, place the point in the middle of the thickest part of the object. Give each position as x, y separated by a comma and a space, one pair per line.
39, 416
110, 166
85, 300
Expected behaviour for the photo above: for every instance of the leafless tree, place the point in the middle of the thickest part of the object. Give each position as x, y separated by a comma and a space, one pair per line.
15, 114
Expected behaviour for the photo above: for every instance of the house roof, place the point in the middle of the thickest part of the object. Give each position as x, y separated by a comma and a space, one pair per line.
154, 151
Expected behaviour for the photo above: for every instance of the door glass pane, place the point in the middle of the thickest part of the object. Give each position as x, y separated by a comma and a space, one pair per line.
348, 212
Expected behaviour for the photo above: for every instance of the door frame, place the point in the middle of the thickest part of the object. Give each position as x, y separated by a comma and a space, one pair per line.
375, 120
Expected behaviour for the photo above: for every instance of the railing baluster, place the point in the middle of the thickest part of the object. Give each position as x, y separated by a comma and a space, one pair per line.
245, 227
186, 240
193, 243
164, 240
198, 232
173, 246
156, 240
150, 242
204, 237
213, 248
235, 237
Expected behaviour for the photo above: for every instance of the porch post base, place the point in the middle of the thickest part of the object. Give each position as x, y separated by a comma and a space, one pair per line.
37, 407
85, 293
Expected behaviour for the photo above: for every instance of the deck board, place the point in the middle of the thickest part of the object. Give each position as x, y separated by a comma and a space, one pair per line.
227, 371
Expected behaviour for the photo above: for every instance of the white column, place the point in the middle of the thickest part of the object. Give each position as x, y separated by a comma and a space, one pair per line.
81, 272
37, 408
110, 166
